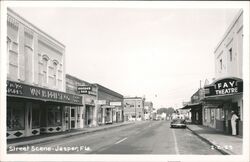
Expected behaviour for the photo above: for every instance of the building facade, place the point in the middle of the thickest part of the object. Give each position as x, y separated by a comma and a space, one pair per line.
195, 107
36, 98
134, 108
148, 109
86, 115
109, 106
225, 94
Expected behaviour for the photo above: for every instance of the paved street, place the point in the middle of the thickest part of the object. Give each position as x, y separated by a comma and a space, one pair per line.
149, 137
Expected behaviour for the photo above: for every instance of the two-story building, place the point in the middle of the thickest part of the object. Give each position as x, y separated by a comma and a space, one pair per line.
225, 94
86, 115
134, 108
36, 98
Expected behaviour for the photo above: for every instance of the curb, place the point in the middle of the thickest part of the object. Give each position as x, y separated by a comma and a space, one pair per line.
209, 142
63, 136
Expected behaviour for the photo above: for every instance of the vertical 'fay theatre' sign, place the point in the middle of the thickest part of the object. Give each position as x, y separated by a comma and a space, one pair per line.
225, 86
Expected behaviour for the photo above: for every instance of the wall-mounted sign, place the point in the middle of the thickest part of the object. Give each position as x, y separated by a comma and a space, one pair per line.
225, 87
32, 92
101, 102
84, 88
117, 103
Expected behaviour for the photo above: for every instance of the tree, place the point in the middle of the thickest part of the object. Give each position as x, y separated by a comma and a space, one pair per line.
169, 111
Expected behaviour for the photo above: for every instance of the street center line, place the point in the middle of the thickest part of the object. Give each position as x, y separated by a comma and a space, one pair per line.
121, 140
175, 143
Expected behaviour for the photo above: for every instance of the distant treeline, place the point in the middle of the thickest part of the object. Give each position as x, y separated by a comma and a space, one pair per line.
168, 111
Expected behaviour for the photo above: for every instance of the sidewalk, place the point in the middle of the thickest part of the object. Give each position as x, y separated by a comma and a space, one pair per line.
226, 144
50, 137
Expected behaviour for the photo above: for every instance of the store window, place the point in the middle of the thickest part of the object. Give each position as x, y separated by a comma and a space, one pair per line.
205, 114
35, 116
54, 116
212, 116
15, 116
218, 114
72, 112
197, 116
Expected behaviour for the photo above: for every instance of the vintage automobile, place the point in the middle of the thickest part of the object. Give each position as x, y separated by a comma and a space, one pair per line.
178, 122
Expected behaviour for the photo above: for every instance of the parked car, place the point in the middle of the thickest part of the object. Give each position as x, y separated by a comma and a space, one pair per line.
178, 122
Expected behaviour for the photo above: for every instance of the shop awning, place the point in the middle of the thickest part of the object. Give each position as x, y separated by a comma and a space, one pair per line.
107, 107
192, 105
20, 90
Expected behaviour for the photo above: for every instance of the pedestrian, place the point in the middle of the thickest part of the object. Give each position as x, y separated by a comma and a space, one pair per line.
233, 122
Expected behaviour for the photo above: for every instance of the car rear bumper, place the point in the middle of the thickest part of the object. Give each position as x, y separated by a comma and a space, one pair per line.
178, 125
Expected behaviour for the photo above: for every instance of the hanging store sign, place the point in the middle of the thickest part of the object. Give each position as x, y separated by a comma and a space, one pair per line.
86, 90
32, 92
225, 87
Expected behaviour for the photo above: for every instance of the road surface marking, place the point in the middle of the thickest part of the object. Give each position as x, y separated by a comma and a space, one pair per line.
175, 143
121, 140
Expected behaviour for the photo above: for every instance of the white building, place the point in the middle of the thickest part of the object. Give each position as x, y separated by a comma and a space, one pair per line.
225, 94
36, 98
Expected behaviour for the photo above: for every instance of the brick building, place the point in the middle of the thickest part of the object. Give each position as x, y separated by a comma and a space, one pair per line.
110, 105
134, 108
86, 115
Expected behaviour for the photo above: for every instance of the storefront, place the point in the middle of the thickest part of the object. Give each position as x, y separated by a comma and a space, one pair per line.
196, 112
33, 110
221, 98
109, 106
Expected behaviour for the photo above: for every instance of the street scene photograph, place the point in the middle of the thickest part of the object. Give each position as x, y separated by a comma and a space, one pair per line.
125, 80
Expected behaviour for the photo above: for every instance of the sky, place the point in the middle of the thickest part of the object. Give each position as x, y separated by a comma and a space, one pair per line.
161, 54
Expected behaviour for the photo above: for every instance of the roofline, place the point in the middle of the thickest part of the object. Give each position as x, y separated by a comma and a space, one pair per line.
236, 18
133, 98
108, 90
73, 77
32, 25
222, 78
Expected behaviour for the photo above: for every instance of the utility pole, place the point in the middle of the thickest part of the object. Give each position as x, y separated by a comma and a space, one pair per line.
135, 110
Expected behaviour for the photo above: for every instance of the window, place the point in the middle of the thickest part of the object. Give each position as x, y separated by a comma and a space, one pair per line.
55, 73
8, 54
15, 116
231, 54
45, 69
54, 116
72, 112
197, 116
205, 114
35, 116
221, 64
28, 63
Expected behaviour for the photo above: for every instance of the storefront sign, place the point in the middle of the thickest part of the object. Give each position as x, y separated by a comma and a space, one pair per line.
115, 104
101, 102
224, 87
27, 91
84, 88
